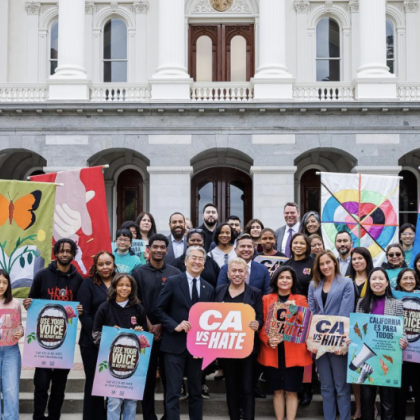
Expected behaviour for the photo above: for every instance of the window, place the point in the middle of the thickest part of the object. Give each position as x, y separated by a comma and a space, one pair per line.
390, 51
53, 47
327, 51
310, 191
129, 195
115, 51
408, 198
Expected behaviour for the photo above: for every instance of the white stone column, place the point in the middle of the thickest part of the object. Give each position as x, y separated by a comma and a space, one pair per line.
4, 41
302, 8
70, 80
374, 81
90, 9
355, 32
33, 10
411, 22
272, 80
273, 187
140, 9
170, 190
171, 80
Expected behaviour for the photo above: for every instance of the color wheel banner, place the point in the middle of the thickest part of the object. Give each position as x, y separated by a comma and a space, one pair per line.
366, 206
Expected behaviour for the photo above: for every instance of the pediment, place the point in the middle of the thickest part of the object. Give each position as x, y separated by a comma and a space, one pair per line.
221, 7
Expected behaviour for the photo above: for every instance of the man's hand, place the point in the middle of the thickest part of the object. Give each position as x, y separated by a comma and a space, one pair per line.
156, 330
183, 326
254, 325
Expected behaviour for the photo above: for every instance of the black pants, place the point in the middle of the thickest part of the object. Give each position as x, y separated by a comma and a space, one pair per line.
174, 370
42, 379
387, 397
93, 407
410, 376
239, 375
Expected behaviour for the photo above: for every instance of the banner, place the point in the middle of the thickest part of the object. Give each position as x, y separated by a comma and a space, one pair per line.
81, 213
220, 330
122, 365
272, 263
328, 334
288, 322
366, 206
375, 355
138, 246
10, 324
50, 338
411, 302
26, 212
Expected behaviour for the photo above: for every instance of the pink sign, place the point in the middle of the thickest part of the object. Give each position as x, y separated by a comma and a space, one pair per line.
220, 330
9, 325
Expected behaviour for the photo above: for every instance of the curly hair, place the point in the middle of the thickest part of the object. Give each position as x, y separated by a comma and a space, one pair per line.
93, 272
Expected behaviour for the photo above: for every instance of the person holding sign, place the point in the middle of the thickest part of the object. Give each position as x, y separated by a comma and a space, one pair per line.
125, 259
332, 294
285, 361
239, 373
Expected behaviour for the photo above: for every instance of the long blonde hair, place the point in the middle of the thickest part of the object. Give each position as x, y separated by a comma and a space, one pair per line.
317, 272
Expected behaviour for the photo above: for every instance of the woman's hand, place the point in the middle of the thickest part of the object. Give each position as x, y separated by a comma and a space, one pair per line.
254, 325
79, 309
338, 352
314, 351
138, 328
403, 343
19, 333
273, 342
27, 303
116, 326
348, 342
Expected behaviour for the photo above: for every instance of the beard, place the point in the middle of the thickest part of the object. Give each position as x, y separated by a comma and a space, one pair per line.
178, 235
210, 223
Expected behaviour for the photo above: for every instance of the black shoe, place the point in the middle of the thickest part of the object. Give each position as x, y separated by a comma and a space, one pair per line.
306, 399
205, 392
184, 393
258, 393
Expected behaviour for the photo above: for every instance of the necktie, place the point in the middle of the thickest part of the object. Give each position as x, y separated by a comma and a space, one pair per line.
194, 294
289, 239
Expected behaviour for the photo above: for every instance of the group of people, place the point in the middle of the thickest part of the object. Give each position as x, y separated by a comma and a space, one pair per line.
215, 263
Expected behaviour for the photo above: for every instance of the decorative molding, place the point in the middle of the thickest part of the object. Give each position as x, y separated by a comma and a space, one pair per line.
328, 6
90, 8
33, 8
354, 6
411, 6
239, 6
114, 6
302, 6
140, 7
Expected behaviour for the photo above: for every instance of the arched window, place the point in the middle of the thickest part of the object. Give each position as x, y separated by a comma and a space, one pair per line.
129, 195
238, 59
390, 50
115, 51
408, 198
204, 59
53, 56
327, 51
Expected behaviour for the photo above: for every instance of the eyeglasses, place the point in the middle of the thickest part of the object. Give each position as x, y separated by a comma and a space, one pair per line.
394, 254
123, 240
195, 231
407, 234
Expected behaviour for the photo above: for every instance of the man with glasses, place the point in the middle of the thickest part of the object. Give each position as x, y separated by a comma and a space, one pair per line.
343, 244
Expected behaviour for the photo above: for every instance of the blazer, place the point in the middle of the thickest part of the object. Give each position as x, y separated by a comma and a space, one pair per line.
280, 232
260, 278
340, 300
170, 256
252, 297
295, 354
173, 306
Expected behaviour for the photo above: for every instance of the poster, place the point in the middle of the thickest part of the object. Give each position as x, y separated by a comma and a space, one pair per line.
287, 321
122, 364
272, 263
26, 210
220, 330
10, 324
138, 246
328, 334
375, 355
411, 302
50, 337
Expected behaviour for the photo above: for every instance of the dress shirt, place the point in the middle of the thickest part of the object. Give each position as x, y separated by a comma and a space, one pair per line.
190, 283
295, 229
248, 276
178, 246
344, 264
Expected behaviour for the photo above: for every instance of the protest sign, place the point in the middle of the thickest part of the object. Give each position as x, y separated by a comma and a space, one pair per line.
288, 322
328, 334
123, 362
375, 355
220, 330
272, 263
411, 302
138, 246
50, 339
10, 324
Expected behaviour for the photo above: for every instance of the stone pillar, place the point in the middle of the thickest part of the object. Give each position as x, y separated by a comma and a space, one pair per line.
4, 41
170, 191
374, 81
272, 80
32, 23
171, 80
90, 9
354, 13
302, 8
140, 9
273, 187
411, 22
70, 80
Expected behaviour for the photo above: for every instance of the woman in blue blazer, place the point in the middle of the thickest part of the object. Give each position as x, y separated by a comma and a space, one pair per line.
332, 294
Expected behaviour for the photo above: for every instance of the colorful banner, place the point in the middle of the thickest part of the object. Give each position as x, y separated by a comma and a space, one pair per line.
288, 322
220, 330
272, 263
328, 334
26, 212
375, 355
411, 302
122, 364
50, 339
366, 206
10, 324
81, 213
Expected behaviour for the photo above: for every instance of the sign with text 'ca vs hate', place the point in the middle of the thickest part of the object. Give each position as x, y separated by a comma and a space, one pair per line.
51, 329
220, 330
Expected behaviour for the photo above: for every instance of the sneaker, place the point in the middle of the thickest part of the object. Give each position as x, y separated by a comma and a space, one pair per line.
205, 391
184, 393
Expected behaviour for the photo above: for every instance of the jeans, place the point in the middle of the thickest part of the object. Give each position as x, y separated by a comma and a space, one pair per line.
10, 364
114, 409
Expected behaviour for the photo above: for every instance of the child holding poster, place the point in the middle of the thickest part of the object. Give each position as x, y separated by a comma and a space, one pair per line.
122, 310
11, 331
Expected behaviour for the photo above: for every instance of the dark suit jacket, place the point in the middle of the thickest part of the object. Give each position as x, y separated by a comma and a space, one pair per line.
173, 307
260, 278
170, 256
252, 297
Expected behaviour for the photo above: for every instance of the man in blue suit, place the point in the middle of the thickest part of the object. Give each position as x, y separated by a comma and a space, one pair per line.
258, 275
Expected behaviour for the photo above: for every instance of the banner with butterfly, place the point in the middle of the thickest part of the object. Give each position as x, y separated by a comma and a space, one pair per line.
366, 206
81, 213
26, 213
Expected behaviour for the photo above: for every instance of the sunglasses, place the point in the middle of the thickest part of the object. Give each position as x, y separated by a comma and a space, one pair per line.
196, 231
394, 254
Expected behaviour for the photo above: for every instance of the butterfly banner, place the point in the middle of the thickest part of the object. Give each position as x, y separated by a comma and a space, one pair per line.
366, 206
26, 213
81, 213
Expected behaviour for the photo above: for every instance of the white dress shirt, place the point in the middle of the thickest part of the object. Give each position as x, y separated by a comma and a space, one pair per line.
190, 283
295, 229
178, 247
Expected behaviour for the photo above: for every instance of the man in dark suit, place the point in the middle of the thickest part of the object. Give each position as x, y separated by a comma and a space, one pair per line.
177, 241
284, 234
177, 297
343, 244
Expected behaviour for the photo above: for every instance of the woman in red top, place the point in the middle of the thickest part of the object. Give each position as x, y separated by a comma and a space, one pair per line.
285, 361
